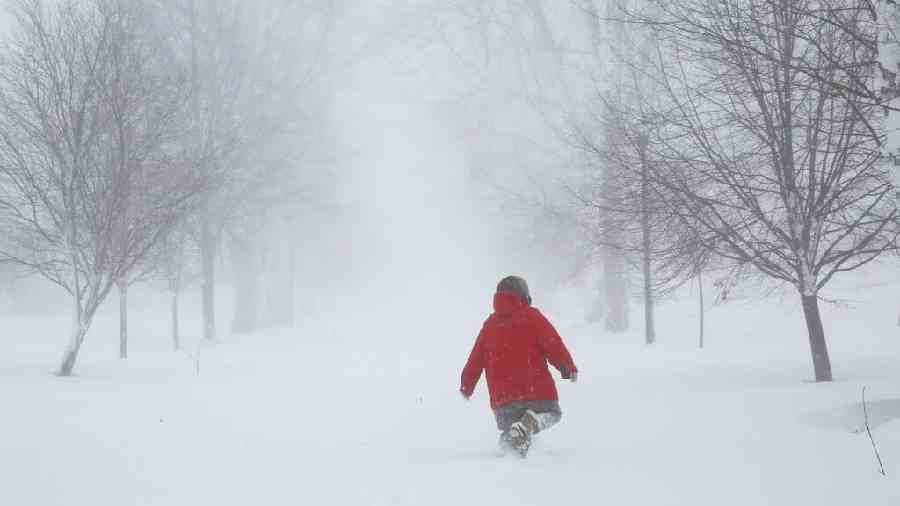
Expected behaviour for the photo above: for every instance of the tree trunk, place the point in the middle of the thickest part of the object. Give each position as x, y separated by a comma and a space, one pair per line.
596, 312
79, 329
176, 339
279, 284
818, 347
614, 283
649, 327
71, 356
702, 309
615, 291
208, 284
123, 320
613, 262
246, 293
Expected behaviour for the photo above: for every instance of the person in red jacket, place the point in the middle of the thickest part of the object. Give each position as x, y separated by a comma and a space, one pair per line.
513, 348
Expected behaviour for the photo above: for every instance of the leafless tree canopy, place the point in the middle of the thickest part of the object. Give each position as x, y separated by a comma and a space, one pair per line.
765, 146
121, 122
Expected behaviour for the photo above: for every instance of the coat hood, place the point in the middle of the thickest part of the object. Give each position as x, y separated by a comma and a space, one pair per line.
517, 285
507, 303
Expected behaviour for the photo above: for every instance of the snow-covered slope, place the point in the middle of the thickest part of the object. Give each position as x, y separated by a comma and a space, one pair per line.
361, 408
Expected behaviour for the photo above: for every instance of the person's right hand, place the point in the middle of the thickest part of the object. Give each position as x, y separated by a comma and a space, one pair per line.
568, 375
466, 397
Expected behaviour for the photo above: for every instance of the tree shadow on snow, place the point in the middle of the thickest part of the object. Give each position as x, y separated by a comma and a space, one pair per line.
850, 417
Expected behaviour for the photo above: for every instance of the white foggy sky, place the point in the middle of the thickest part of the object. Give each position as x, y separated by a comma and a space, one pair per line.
421, 230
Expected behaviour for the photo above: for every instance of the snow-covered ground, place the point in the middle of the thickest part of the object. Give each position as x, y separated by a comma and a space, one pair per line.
361, 408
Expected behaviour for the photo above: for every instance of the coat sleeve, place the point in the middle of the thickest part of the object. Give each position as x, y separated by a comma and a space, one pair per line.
552, 346
474, 366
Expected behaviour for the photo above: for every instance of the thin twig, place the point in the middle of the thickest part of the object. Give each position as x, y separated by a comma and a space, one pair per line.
869, 431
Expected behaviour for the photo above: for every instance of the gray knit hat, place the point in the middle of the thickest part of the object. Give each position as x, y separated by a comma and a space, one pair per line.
516, 285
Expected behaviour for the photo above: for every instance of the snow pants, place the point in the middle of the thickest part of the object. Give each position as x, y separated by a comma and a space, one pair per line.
548, 413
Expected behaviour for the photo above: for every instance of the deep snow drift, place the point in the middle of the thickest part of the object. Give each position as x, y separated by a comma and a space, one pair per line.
361, 408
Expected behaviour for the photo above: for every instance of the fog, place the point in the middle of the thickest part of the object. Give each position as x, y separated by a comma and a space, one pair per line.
424, 217
446, 252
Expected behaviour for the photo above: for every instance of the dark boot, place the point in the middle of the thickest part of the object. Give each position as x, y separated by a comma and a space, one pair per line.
531, 422
520, 438
506, 443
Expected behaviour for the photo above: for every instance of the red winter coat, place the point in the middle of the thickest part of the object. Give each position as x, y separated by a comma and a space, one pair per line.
514, 346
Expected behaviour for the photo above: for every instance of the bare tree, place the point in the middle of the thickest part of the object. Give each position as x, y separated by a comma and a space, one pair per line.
771, 166
86, 184
176, 263
617, 185
652, 238
147, 111
614, 264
